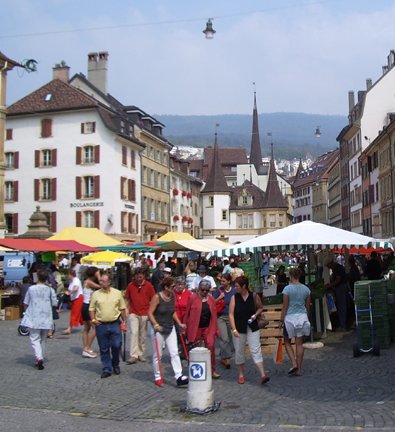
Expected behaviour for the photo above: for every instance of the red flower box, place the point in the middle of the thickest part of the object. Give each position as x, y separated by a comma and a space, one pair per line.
184, 193
175, 191
191, 220
189, 195
185, 218
176, 218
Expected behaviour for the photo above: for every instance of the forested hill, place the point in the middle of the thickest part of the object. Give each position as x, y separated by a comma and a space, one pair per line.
293, 134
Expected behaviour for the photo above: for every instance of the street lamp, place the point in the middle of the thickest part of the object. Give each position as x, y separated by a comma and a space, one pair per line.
317, 132
209, 31
6, 64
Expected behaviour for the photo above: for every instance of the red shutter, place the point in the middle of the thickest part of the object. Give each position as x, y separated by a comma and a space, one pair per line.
15, 223
132, 159
36, 189
54, 157
15, 190
78, 217
124, 155
130, 190
123, 221
93, 127
97, 186
16, 160
78, 153
52, 226
8, 134
78, 182
96, 215
122, 183
82, 128
37, 158
130, 217
53, 189
97, 154
46, 128
133, 191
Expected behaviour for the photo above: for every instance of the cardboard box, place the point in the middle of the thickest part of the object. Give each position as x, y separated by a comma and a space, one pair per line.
12, 313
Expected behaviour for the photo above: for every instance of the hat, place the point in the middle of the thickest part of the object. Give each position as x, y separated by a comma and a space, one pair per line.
167, 269
202, 268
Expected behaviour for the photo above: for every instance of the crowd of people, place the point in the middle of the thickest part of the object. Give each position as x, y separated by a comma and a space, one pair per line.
181, 305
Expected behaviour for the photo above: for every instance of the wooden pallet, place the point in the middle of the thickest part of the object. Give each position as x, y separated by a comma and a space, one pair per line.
273, 331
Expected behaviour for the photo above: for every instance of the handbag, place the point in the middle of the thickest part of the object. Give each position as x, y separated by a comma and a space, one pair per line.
260, 319
278, 351
220, 304
55, 313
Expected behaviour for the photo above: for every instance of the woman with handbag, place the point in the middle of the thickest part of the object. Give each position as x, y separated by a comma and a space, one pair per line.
294, 319
201, 320
223, 295
244, 309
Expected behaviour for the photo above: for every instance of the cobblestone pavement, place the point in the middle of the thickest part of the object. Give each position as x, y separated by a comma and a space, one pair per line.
336, 392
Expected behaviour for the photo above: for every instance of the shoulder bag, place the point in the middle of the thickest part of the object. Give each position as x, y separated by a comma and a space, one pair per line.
260, 319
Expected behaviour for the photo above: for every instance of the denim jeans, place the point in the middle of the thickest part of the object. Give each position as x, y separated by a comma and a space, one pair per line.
109, 338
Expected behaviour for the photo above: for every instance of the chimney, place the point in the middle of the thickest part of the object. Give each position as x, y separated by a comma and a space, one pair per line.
391, 59
351, 101
385, 69
61, 71
368, 83
97, 70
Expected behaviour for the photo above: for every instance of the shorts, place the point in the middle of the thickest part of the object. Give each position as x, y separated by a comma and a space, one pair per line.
85, 312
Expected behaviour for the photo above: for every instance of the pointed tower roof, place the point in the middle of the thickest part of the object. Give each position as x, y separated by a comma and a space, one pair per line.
255, 152
215, 181
273, 197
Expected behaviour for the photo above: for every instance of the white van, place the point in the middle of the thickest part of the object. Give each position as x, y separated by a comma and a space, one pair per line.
16, 266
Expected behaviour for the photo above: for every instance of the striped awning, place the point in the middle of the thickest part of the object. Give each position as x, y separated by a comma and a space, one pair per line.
303, 236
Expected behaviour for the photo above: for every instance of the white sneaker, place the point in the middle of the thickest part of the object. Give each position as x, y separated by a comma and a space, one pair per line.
89, 354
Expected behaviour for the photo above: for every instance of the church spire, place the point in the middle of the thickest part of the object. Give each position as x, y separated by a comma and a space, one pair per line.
273, 197
216, 181
255, 152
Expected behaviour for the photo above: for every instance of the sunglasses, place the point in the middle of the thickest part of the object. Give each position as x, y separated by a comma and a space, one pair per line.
205, 289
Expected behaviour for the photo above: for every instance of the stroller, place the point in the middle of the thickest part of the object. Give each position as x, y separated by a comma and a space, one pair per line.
24, 331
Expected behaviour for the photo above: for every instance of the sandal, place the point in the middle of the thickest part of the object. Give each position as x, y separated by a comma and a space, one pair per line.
293, 370
241, 380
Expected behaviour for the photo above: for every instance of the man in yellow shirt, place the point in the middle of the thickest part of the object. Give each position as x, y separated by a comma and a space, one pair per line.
107, 310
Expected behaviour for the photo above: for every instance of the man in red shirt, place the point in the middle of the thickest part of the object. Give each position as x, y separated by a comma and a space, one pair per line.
138, 296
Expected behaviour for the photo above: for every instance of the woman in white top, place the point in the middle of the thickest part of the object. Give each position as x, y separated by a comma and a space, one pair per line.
76, 298
91, 283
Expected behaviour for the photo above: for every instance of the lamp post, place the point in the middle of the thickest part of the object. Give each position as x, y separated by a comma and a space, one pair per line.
6, 64
209, 32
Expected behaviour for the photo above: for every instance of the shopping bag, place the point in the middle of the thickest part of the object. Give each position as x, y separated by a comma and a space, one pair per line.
278, 351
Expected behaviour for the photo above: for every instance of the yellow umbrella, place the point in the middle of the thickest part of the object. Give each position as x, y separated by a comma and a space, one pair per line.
105, 259
87, 236
174, 236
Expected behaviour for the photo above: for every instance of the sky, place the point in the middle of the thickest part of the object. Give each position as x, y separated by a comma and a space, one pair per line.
303, 55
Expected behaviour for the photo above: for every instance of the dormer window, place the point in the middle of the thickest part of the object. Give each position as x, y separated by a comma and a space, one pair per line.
48, 97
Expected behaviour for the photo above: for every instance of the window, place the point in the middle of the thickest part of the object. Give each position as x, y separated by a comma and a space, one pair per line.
51, 220
224, 215
45, 189
211, 201
12, 160
272, 220
244, 200
239, 221
45, 158
11, 221
88, 127
11, 191
87, 219
88, 155
9, 134
46, 128
87, 187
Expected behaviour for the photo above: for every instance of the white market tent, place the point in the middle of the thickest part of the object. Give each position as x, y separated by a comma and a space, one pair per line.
304, 235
